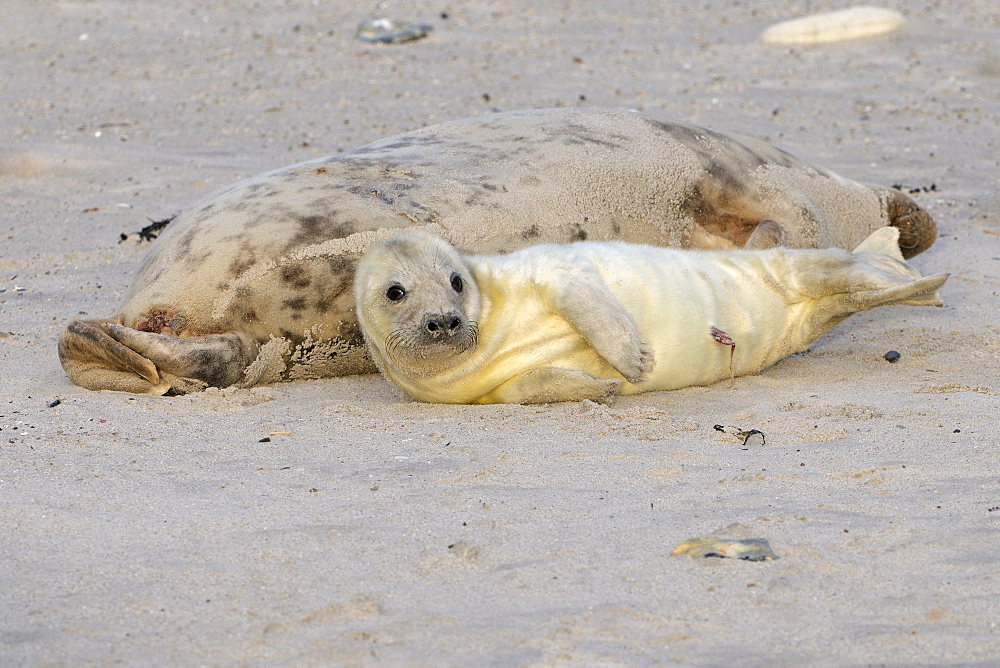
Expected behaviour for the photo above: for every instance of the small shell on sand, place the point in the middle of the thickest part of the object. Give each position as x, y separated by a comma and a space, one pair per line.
390, 31
838, 26
748, 549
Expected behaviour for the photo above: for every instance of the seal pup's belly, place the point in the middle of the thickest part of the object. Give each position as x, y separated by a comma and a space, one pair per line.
675, 299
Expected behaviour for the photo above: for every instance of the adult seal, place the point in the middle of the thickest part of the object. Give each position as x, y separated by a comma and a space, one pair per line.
253, 284
589, 320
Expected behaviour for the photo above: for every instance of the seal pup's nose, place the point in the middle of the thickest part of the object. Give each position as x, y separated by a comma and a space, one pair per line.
438, 324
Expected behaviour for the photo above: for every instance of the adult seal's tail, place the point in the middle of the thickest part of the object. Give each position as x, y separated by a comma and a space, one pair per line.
588, 320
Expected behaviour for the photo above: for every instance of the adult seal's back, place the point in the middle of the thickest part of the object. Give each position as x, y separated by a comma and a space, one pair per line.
254, 283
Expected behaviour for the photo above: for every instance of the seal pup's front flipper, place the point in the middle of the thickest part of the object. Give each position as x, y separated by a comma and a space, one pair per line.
584, 302
191, 364
95, 360
549, 385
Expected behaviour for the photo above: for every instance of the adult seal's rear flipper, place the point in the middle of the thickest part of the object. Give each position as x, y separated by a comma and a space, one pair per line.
917, 230
93, 359
107, 356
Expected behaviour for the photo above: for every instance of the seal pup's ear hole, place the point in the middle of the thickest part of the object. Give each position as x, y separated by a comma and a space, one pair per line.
395, 293
456, 283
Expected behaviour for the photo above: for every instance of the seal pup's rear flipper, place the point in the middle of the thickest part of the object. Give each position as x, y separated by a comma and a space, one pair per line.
883, 241
95, 360
840, 284
883, 253
922, 292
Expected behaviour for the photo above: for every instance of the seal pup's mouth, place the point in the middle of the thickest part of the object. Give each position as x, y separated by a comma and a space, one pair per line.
430, 350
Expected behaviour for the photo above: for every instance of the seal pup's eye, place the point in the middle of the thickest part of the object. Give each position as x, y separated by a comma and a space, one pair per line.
456, 283
395, 293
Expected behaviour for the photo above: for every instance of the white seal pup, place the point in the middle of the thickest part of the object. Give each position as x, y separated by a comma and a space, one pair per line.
253, 284
591, 319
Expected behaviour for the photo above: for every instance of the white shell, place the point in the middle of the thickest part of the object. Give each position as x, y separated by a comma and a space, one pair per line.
838, 26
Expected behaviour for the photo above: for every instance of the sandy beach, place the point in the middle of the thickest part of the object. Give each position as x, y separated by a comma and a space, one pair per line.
334, 521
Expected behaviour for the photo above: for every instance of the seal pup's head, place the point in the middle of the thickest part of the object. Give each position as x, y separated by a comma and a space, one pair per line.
417, 303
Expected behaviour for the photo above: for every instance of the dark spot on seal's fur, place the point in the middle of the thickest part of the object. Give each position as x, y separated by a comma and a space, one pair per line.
295, 275
371, 193
738, 155
687, 135
585, 136
725, 175
315, 229
186, 241
341, 265
253, 189
243, 300
296, 304
241, 263
341, 278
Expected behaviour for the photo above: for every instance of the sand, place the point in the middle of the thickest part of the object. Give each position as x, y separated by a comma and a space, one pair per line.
334, 521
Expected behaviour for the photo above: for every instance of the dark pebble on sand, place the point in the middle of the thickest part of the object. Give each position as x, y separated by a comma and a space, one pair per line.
892, 356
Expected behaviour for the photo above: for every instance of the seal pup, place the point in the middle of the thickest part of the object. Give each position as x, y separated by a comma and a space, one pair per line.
589, 320
253, 284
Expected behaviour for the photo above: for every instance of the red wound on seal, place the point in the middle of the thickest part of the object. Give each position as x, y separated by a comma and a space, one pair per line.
721, 337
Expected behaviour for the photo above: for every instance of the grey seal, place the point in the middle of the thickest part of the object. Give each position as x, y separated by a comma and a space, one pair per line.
588, 320
254, 283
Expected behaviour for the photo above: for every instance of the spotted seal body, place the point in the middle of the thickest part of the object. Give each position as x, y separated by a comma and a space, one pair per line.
253, 284
588, 320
